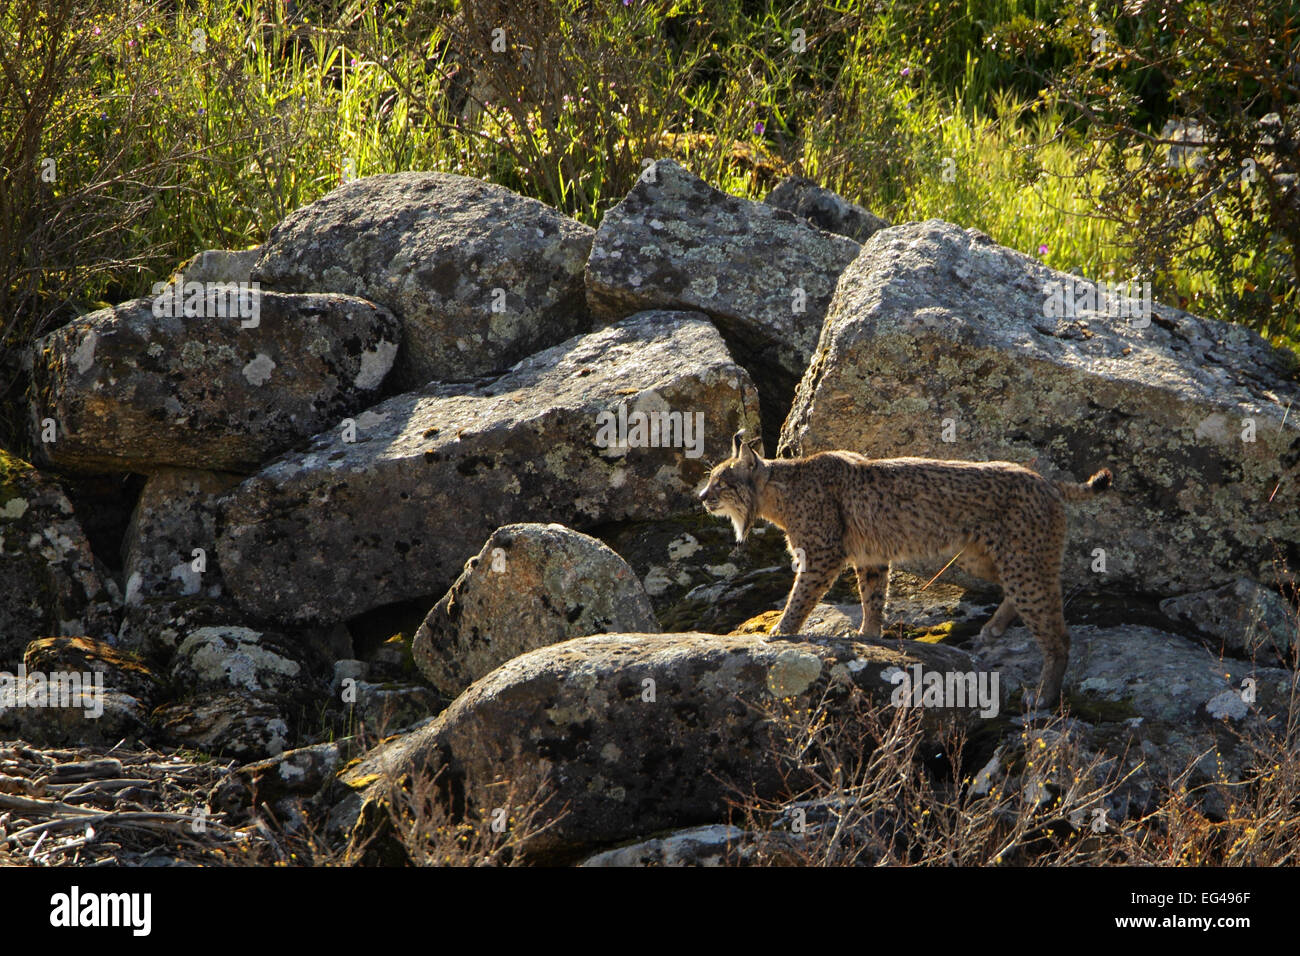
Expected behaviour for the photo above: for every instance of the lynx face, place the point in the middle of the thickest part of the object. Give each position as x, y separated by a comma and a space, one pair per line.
732, 489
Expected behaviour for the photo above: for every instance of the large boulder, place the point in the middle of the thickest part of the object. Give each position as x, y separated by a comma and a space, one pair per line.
937, 344
170, 545
763, 275
824, 209
144, 385
479, 276
630, 734
530, 585
433, 473
50, 583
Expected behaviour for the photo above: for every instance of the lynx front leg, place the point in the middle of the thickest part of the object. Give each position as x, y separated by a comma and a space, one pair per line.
873, 588
817, 572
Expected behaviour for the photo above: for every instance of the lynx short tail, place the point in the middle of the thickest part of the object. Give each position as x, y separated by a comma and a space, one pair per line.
1076, 491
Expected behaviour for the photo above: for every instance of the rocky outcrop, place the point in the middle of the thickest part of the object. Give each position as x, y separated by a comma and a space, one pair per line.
531, 585
824, 209
341, 527
635, 733
480, 276
50, 582
763, 275
937, 344
152, 383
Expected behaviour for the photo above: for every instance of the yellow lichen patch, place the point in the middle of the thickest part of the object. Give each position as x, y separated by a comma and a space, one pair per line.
759, 624
357, 783
933, 635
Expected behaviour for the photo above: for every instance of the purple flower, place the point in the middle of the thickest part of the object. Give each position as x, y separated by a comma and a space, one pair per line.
1042, 250
906, 71
759, 127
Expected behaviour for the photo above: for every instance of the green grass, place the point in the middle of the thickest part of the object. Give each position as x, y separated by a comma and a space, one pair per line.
213, 146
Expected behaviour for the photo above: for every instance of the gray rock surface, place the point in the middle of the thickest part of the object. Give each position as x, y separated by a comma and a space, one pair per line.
340, 528
711, 845
936, 331
1248, 618
824, 209
764, 276
244, 726
170, 546
221, 265
530, 585
50, 583
129, 390
480, 276
1140, 692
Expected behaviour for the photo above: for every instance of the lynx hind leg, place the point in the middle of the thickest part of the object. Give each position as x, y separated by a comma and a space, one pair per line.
997, 625
812, 581
1039, 601
873, 590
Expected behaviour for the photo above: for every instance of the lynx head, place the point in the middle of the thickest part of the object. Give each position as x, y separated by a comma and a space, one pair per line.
732, 490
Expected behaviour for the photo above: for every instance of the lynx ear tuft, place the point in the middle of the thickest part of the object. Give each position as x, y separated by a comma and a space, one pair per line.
736, 443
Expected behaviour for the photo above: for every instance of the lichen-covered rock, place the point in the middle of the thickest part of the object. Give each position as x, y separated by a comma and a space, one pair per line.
387, 707
244, 726
243, 659
712, 845
154, 628
301, 773
220, 265
342, 527
530, 585
937, 345
82, 655
127, 389
763, 275
1248, 618
825, 209
49, 580
82, 717
75, 691
697, 577
635, 733
170, 546
479, 276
